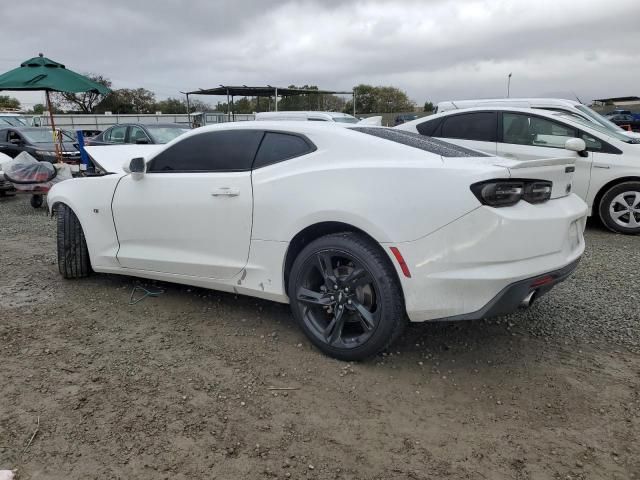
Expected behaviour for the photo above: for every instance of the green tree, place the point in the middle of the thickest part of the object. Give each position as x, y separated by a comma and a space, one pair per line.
428, 106
39, 108
82, 102
125, 100
381, 99
9, 103
171, 105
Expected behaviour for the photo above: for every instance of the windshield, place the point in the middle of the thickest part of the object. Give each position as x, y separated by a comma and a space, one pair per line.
347, 119
13, 121
596, 126
44, 136
166, 134
608, 124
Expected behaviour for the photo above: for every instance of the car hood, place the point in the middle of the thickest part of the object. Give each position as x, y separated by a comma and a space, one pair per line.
111, 158
51, 147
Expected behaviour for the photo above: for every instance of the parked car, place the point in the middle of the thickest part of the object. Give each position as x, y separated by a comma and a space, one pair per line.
8, 119
6, 187
403, 118
625, 121
553, 104
337, 117
357, 228
38, 142
137, 133
607, 171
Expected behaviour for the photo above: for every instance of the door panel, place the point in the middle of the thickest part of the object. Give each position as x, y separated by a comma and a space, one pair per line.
196, 224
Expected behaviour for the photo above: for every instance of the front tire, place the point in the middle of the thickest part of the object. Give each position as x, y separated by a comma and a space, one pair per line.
73, 255
36, 201
619, 208
346, 297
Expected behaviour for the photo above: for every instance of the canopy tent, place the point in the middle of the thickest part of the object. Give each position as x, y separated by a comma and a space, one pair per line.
267, 91
41, 73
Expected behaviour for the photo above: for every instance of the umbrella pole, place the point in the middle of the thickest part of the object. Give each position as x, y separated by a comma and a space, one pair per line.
53, 127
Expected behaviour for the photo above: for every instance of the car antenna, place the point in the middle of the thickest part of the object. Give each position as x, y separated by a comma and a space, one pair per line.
577, 98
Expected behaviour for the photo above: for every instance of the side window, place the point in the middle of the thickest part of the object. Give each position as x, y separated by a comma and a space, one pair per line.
593, 144
480, 126
429, 127
116, 134
522, 129
221, 151
13, 136
3, 135
137, 134
276, 147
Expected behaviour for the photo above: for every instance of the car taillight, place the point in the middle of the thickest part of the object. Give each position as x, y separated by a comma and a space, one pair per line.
503, 193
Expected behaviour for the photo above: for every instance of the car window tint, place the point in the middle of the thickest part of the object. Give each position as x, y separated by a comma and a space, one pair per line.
276, 147
137, 134
522, 129
593, 144
3, 135
429, 127
479, 126
222, 151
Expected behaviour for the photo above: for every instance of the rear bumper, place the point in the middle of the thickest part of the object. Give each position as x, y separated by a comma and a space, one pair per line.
518, 295
483, 263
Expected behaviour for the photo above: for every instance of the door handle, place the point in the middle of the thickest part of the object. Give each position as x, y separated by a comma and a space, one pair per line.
225, 192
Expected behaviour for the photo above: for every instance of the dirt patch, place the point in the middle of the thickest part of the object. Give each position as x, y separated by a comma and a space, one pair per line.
181, 386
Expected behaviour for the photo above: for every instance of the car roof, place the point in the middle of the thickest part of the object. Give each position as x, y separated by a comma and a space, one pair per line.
176, 125
23, 129
326, 133
541, 100
489, 108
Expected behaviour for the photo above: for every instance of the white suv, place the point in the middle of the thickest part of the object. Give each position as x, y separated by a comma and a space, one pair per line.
607, 173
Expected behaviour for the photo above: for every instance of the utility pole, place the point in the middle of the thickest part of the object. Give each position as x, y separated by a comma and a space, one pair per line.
508, 85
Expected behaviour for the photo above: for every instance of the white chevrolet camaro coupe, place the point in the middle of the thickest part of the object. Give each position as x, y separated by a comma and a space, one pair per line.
607, 162
357, 228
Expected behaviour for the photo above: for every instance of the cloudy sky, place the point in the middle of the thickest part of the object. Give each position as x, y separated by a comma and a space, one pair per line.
432, 49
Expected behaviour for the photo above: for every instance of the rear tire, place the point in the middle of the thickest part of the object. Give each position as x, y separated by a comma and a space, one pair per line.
346, 297
73, 255
619, 208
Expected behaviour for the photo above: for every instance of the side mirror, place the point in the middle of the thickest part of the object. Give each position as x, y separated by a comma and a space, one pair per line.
577, 145
15, 141
136, 167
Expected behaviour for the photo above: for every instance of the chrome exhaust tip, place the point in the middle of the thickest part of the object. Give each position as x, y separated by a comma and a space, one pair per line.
528, 300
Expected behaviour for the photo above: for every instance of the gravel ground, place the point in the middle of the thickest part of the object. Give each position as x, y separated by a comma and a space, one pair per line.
179, 386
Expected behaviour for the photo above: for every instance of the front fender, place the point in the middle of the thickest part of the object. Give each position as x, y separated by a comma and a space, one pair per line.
90, 199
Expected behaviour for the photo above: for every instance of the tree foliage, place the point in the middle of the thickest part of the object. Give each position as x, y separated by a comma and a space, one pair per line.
381, 99
428, 106
9, 103
81, 102
128, 100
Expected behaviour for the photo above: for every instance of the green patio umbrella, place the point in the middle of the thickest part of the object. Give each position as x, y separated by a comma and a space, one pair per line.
41, 73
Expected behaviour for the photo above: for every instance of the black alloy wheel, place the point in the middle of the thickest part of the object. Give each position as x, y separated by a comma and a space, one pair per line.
345, 296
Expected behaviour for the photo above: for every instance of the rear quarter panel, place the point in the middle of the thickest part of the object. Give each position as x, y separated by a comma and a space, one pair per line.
394, 195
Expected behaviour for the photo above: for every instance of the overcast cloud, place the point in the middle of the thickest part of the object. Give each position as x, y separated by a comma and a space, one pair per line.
434, 50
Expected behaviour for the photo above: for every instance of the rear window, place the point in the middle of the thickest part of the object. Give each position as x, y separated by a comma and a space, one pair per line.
276, 147
421, 142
